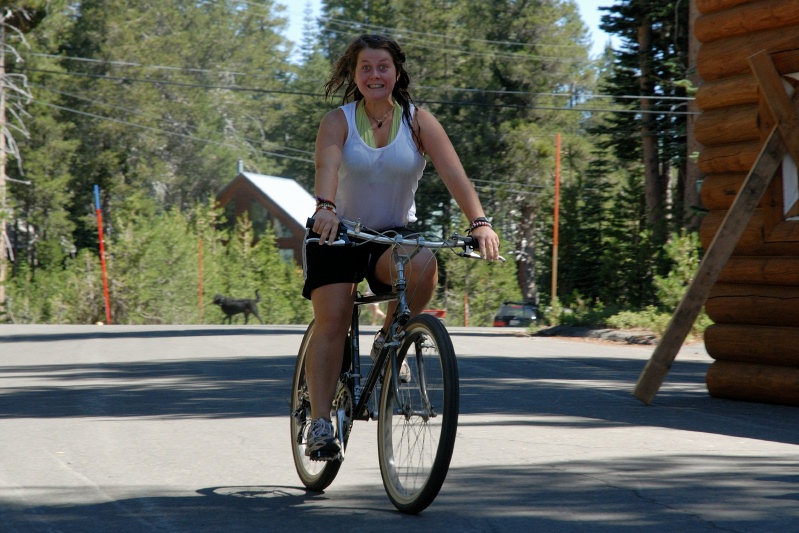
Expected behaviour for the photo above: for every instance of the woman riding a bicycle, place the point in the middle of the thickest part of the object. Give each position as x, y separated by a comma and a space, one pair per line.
370, 155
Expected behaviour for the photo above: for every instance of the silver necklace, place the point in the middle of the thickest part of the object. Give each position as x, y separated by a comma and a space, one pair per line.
379, 122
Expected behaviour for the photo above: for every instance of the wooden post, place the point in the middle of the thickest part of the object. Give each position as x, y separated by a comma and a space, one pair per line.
717, 254
3, 264
102, 254
200, 281
729, 233
556, 222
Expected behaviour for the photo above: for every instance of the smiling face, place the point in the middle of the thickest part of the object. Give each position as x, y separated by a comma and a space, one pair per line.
375, 74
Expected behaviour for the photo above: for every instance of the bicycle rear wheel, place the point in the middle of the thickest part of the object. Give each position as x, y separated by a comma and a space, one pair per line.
315, 475
417, 425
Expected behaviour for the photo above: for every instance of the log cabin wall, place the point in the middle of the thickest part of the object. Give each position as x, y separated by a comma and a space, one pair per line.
754, 340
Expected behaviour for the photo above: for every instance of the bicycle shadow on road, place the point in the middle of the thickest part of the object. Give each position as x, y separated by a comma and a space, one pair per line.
631, 494
228, 509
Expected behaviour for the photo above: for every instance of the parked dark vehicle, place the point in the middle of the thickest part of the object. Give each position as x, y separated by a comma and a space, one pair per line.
515, 314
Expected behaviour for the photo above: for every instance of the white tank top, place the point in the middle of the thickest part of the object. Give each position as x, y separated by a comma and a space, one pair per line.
377, 185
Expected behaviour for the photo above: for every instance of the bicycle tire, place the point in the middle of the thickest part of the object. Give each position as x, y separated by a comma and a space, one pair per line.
415, 443
315, 475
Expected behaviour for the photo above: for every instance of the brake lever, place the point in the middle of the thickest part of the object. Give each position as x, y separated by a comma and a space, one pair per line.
339, 242
471, 254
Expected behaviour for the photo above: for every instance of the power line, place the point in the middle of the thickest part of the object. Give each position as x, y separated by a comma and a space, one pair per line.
500, 92
139, 113
550, 108
238, 88
586, 96
132, 64
396, 31
166, 132
408, 43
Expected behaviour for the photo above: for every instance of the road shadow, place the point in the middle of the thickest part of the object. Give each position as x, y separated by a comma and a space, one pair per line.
115, 332
211, 388
646, 494
591, 391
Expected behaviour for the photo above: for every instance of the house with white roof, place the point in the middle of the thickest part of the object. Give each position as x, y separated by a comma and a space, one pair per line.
281, 202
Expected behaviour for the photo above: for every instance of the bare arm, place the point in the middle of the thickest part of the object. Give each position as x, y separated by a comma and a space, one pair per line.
437, 145
329, 147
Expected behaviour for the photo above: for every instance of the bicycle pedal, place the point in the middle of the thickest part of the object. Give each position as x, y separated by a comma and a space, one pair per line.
326, 456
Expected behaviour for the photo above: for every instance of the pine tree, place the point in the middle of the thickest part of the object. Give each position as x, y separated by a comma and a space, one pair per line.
649, 64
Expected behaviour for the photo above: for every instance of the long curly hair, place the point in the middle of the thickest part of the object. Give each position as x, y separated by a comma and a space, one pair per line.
343, 72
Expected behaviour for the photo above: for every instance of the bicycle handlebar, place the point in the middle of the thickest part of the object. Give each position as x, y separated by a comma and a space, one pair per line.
347, 229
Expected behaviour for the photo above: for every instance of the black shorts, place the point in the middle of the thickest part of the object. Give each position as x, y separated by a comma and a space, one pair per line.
325, 264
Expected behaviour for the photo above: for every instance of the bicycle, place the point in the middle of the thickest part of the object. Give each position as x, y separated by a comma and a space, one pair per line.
417, 417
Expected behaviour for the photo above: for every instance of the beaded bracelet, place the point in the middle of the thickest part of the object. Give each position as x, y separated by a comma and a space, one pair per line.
478, 222
320, 200
326, 205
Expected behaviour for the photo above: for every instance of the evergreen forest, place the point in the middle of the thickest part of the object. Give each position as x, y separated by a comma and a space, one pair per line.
154, 103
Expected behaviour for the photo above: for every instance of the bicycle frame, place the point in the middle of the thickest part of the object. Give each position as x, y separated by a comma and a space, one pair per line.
362, 395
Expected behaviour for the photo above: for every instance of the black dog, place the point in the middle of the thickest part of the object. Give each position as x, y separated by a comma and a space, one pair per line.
234, 306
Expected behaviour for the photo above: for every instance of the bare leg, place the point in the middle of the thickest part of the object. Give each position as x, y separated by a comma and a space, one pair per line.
421, 275
332, 305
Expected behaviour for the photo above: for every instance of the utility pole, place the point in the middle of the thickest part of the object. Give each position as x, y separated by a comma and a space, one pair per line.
556, 222
3, 211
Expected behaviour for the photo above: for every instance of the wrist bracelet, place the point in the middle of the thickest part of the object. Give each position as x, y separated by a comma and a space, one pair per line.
320, 201
326, 205
478, 222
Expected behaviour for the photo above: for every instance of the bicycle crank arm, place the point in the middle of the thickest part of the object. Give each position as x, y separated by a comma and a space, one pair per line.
340, 416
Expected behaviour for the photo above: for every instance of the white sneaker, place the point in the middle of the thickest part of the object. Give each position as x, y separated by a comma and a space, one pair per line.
322, 444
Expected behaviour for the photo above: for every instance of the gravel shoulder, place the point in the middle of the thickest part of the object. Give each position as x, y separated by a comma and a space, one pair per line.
637, 336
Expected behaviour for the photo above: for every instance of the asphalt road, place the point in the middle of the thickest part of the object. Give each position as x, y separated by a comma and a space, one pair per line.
185, 429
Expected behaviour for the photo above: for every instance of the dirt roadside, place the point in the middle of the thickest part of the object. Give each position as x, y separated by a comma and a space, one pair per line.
639, 337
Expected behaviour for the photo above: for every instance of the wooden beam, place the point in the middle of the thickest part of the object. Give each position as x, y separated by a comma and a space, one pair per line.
777, 100
784, 138
715, 258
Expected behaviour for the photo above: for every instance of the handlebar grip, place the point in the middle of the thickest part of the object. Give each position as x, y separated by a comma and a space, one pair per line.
341, 233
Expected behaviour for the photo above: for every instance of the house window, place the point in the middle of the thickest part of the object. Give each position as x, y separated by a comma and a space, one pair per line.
281, 230
790, 179
230, 213
781, 201
287, 255
259, 216
790, 189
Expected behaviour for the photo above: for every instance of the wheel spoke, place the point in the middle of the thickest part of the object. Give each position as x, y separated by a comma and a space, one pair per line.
416, 442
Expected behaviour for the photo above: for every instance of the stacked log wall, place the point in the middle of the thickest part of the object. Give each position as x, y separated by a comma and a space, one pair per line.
755, 303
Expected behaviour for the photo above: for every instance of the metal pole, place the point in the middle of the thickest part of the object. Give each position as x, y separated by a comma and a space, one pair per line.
3, 213
200, 281
555, 222
102, 253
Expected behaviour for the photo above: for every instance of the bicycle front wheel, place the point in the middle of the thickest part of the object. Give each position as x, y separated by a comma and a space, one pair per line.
417, 422
315, 475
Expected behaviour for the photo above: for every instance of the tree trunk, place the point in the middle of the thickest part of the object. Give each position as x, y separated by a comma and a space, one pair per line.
691, 197
655, 190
